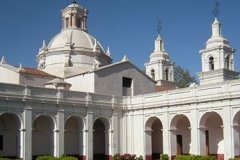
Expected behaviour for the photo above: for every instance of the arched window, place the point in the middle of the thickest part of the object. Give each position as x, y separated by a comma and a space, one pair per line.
227, 62
153, 74
211, 63
79, 22
166, 72
67, 23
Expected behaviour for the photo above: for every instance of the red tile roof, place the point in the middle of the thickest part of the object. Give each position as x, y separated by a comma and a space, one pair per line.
34, 71
163, 88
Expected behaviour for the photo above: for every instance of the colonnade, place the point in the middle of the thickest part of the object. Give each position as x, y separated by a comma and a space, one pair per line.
212, 134
28, 136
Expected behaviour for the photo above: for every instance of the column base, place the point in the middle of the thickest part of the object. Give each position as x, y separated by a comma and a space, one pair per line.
173, 157
218, 156
108, 157
148, 157
81, 157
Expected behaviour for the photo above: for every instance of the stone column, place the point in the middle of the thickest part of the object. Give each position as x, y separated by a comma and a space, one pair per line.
74, 20
201, 141
63, 23
108, 144
160, 71
59, 135
84, 25
194, 133
166, 135
89, 136
84, 144
227, 134
26, 134
148, 144
115, 131
236, 140
173, 142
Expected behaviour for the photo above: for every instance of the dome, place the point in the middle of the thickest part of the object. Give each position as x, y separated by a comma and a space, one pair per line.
75, 38
73, 50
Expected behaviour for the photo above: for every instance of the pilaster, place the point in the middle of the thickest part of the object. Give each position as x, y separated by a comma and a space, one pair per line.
59, 135
194, 133
26, 134
89, 136
227, 134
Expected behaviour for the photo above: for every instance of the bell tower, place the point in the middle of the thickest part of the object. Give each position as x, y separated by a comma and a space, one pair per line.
74, 16
217, 58
160, 68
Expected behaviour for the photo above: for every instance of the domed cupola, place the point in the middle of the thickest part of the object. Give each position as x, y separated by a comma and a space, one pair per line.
73, 50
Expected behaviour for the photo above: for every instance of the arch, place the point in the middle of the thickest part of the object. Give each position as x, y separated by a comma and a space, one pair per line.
101, 137
166, 73
180, 135
10, 125
153, 138
43, 126
211, 63
227, 62
153, 74
236, 134
211, 134
48, 116
81, 118
73, 136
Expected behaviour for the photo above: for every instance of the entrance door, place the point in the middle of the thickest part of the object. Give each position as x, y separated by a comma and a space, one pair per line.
179, 145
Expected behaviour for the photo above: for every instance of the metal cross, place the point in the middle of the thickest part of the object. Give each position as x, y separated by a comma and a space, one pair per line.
216, 9
74, 1
159, 26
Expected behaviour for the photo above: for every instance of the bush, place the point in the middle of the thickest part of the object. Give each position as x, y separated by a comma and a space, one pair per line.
68, 158
46, 158
194, 157
127, 156
54, 158
139, 158
164, 157
116, 156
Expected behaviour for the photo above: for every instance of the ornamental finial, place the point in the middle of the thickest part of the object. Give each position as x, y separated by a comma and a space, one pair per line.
216, 9
159, 26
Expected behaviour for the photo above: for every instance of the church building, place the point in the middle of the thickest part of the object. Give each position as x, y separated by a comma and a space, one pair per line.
78, 102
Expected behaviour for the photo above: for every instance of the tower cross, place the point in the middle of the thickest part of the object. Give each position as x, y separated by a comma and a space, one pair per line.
159, 26
216, 9
74, 1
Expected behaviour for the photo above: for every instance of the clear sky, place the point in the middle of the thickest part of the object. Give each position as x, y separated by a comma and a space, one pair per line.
126, 26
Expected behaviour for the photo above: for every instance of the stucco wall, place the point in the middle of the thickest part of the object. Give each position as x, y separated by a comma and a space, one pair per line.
83, 83
8, 76
109, 80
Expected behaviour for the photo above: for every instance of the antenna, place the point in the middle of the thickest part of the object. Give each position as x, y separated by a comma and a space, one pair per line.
159, 26
216, 9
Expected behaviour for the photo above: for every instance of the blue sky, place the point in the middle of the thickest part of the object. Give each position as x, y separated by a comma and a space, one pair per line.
127, 26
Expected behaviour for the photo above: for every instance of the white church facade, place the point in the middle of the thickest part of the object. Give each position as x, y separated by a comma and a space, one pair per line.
77, 102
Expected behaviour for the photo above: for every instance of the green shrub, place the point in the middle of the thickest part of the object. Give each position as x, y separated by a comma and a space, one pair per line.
164, 157
54, 158
46, 158
238, 158
68, 158
127, 157
194, 157
116, 156
139, 158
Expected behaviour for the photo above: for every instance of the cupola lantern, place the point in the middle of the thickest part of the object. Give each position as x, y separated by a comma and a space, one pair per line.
74, 16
